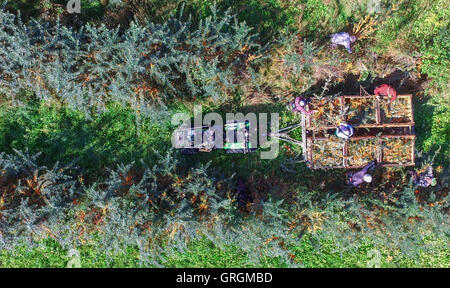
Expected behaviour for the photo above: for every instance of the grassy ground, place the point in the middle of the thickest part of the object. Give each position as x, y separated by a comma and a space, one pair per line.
205, 254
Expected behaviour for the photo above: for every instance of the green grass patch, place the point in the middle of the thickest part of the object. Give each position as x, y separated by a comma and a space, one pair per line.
66, 135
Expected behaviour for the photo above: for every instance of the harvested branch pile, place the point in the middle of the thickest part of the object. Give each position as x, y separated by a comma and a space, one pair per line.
329, 114
389, 150
398, 150
361, 111
361, 151
327, 152
398, 111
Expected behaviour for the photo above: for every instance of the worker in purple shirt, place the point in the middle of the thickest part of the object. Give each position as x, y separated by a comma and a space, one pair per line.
356, 178
424, 179
344, 39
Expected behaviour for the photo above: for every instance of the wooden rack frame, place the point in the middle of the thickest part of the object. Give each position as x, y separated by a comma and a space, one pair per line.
308, 141
378, 117
344, 156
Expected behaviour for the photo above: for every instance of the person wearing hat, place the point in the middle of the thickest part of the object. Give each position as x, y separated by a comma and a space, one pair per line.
299, 105
386, 90
424, 179
362, 175
344, 131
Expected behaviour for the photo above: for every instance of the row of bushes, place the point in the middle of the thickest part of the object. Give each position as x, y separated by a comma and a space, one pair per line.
92, 67
161, 208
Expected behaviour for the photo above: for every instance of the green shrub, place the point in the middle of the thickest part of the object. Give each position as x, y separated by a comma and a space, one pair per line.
95, 66
436, 60
322, 19
92, 10
413, 26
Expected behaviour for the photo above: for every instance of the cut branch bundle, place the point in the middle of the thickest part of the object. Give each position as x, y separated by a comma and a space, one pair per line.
329, 114
398, 150
388, 150
327, 153
361, 110
398, 111
362, 151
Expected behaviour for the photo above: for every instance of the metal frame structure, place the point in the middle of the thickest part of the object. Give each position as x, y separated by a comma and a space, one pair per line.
309, 135
309, 132
185, 138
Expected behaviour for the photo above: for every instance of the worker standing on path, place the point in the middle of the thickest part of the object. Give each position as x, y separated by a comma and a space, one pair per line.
344, 131
344, 39
242, 194
299, 105
362, 175
424, 179
386, 90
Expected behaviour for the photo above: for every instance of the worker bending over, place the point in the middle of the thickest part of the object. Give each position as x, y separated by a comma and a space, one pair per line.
386, 90
344, 131
424, 179
344, 39
356, 178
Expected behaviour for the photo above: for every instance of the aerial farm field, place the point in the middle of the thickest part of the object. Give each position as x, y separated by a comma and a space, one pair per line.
89, 175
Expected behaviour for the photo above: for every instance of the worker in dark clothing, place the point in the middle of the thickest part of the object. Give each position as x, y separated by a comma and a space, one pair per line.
386, 90
424, 179
356, 178
243, 196
299, 105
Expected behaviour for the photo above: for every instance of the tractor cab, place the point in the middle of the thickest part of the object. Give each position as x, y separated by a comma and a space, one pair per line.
236, 145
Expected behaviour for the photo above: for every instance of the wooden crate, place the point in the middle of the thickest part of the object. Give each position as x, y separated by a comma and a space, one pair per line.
325, 152
397, 112
350, 154
327, 115
363, 112
398, 151
361, 151
371, 112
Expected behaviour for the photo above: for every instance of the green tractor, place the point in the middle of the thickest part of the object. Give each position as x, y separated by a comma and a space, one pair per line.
184, 137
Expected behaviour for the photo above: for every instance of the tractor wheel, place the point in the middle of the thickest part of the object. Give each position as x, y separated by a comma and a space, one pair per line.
188, 151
